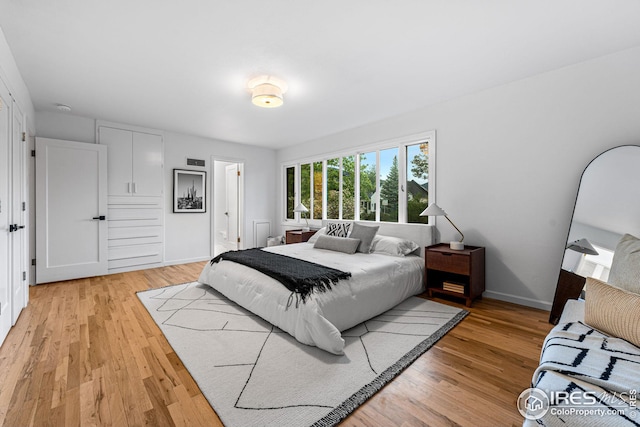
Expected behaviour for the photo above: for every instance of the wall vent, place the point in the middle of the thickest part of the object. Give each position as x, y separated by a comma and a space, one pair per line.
195, 162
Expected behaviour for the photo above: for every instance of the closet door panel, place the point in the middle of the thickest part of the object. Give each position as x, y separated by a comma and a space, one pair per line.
119, 158
147, 164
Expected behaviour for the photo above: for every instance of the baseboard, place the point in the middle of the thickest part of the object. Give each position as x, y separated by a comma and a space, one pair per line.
529, 302
187, 261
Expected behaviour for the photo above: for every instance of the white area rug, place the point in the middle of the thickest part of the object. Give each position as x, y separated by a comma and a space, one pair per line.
253, 374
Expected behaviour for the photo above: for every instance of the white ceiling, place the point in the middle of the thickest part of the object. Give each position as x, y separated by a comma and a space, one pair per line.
183, 66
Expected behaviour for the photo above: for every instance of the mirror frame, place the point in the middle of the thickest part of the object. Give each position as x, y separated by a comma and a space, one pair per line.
569, 285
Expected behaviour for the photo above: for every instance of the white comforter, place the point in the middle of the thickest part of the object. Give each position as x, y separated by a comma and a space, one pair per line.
378, 283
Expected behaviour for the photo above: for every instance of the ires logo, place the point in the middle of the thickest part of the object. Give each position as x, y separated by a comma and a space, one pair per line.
575, 398
533, 403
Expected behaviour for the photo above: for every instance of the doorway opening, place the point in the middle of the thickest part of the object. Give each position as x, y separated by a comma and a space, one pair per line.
227, 218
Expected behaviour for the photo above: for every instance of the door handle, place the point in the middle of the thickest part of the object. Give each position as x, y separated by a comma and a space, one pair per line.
101, 217
15, 227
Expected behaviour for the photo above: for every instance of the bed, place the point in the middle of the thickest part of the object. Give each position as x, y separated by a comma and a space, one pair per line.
379, 281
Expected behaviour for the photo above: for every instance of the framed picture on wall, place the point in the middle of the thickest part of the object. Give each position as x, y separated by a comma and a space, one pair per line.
189, 191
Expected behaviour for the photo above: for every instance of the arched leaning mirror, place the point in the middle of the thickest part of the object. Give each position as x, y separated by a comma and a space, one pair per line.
607, 207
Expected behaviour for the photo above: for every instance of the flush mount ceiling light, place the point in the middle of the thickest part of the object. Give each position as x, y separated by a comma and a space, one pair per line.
266, 91
63, 107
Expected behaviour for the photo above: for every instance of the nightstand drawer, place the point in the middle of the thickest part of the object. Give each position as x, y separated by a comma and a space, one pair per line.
452, 263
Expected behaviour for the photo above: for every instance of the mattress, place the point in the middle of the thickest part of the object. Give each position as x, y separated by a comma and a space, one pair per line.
378, 282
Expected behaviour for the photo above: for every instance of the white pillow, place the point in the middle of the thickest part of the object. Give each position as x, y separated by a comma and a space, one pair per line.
313, 238
625, 267
392, 245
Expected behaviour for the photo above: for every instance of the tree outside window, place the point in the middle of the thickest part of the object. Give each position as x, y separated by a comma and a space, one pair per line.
348, 187
317, 190
333, 189
417, 181
389, 185
291, 191
368, 186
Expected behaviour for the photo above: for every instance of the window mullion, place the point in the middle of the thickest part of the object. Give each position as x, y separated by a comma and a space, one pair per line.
340, 189
356, 208
325, 199
402, 183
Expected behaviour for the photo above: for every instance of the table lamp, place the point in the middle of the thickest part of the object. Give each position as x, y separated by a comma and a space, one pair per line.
435, 210
583, 246
302, 208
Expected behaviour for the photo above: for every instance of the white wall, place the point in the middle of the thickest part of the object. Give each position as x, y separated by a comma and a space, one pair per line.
12, 78
509, 160
188, 236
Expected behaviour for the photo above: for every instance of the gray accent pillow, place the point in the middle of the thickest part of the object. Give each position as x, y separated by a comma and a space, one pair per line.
338, 229
366, 234
625, 267
338, 244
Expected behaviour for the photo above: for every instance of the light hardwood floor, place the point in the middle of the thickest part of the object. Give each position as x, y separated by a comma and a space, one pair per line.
85, 352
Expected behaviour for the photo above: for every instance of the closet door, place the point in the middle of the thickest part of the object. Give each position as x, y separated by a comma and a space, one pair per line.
120, 159
5, 214
19, 250
147, 164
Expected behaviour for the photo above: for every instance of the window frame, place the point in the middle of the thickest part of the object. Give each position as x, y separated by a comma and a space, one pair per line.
401, 143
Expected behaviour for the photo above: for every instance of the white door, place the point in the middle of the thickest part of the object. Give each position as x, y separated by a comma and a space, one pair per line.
5, 214
19, 219
231, 211
71, 209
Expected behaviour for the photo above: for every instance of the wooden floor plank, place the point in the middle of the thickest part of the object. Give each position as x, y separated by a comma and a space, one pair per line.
86, 352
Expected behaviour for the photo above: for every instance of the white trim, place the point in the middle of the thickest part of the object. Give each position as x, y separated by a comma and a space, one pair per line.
296, 196
241, 202
123, 126
185, 261
256, 224
372, 146
529, 302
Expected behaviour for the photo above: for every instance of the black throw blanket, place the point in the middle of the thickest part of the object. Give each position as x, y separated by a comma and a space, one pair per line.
301, 277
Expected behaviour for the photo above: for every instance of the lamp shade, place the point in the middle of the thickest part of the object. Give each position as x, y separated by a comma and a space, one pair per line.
433, 210
266, 91
583, 246
300, 208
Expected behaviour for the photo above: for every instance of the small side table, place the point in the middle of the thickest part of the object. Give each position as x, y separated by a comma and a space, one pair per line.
569, 286
457, 273
298, 236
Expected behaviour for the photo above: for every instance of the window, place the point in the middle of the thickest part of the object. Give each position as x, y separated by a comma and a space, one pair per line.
417, 183
368, 187
305, 185
389, 185
333, 188
290, 192
348, 187
389, 182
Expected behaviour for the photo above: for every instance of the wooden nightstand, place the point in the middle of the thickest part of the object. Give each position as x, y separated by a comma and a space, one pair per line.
298, 236
455, 273
569, 286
